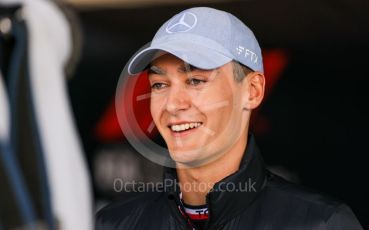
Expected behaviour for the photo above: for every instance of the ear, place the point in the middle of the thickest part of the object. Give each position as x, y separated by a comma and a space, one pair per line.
254, 86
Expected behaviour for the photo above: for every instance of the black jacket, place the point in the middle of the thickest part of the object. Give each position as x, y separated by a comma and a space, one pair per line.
266, 202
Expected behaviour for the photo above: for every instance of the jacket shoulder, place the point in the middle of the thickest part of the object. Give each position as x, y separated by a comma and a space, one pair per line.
127, 212
303, 203
298, 193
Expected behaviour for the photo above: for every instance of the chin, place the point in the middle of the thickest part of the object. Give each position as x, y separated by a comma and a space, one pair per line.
183, 156
194, 158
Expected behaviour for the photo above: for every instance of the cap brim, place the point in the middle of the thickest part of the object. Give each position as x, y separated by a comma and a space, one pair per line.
194, 54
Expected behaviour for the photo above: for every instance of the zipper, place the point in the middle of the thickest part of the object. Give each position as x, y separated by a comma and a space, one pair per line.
207, 224
183, 212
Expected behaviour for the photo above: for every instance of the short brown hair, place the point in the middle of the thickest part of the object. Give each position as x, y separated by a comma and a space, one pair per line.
240, 71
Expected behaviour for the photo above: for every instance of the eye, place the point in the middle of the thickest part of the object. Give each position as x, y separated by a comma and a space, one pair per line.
157, 86
195, 81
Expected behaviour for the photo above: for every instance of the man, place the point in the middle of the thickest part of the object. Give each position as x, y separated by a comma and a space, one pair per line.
206, 75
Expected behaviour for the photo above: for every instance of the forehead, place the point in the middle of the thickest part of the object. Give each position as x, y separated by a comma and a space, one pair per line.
163, 59
168, 63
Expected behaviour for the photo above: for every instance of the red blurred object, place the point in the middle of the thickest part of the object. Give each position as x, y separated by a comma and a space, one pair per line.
108, 128
275, 62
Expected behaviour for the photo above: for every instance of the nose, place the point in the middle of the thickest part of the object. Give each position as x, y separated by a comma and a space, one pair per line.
178, 100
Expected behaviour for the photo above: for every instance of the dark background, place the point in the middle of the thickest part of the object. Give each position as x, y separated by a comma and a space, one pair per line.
314, 121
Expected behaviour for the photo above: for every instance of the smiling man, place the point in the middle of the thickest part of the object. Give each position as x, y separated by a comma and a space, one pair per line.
206, 76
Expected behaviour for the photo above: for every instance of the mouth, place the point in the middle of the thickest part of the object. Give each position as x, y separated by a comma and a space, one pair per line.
184, 128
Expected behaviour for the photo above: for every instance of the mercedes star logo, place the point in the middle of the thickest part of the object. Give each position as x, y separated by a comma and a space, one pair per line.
182, 23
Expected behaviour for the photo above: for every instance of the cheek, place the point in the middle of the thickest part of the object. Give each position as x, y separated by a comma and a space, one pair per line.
220, 110
214, 101
155, 109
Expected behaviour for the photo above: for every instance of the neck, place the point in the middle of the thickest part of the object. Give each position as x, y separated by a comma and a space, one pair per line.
197, 182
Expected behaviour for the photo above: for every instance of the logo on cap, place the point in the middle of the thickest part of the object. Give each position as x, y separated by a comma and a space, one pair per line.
182, 23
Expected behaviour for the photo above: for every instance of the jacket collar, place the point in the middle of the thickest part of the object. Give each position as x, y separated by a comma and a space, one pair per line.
233, 194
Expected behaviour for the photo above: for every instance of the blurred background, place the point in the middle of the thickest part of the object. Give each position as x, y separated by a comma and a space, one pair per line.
312, 127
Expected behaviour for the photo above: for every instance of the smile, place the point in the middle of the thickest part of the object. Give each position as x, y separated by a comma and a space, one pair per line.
185, 126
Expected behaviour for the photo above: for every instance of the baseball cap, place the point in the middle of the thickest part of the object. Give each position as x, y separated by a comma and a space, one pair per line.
204, 37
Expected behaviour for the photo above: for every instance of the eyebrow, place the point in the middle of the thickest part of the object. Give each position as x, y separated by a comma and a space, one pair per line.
189, 68
156, 70
184, 69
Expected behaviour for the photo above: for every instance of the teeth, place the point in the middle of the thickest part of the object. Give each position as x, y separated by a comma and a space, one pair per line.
186, 126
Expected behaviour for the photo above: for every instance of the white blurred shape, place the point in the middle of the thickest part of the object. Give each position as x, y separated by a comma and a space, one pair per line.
49, 49
4, 112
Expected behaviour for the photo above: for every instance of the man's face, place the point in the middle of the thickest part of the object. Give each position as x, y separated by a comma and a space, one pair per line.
198, 112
